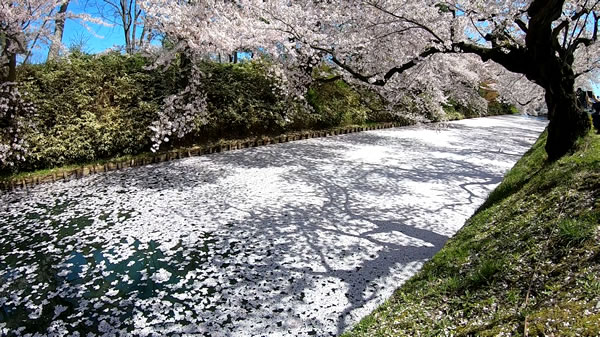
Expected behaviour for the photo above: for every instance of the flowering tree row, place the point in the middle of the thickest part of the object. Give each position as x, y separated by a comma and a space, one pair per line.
532, 51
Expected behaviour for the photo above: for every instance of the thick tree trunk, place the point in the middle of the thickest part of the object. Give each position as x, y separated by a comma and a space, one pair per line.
12, 64
12, 68
568, 121
552, 68
185, 70
128, 46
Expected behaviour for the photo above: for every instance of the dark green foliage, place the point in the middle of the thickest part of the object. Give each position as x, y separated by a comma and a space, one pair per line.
496, 108
455, 110
242, 101
376, 107
337, 103
98, 107
90, 107
451, 112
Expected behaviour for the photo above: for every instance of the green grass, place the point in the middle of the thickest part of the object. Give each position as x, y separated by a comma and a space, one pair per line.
59, 170
527, 263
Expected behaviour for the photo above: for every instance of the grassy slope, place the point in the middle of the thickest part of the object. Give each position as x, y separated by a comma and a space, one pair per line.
528, 260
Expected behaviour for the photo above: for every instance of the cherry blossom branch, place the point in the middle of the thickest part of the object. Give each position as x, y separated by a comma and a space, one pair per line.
370, 79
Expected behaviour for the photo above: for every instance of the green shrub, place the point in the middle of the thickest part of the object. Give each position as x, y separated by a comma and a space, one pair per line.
90, 107
455, 110
451, 112
496, 108
97, 107
377, 109
460, 111
336, 103
94, 107
242, 101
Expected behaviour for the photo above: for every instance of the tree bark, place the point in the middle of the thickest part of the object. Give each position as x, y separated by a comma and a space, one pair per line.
59, 29
12, 64
12, 68
555, 74
185, 70
126, 22
544, 62
568, 121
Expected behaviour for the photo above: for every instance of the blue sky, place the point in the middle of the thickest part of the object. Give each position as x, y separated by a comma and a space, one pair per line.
96, 38
107, 37
596, 88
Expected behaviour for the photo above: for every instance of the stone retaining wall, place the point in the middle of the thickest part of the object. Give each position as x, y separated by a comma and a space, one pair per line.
222, 146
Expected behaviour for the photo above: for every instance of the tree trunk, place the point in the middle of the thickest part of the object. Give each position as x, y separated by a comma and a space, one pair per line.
134, 41
568, 121
185, 70
126, 21
59, 28
12, 64
552, 68
126, 31
12, 68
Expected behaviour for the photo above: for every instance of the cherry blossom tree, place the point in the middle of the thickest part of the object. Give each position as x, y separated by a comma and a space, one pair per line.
21, 22
14, 111
417, 48
551, 43
23, 25
195, 31
59, 29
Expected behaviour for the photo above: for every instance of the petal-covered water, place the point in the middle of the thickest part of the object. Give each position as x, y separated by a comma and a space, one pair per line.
293, 239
